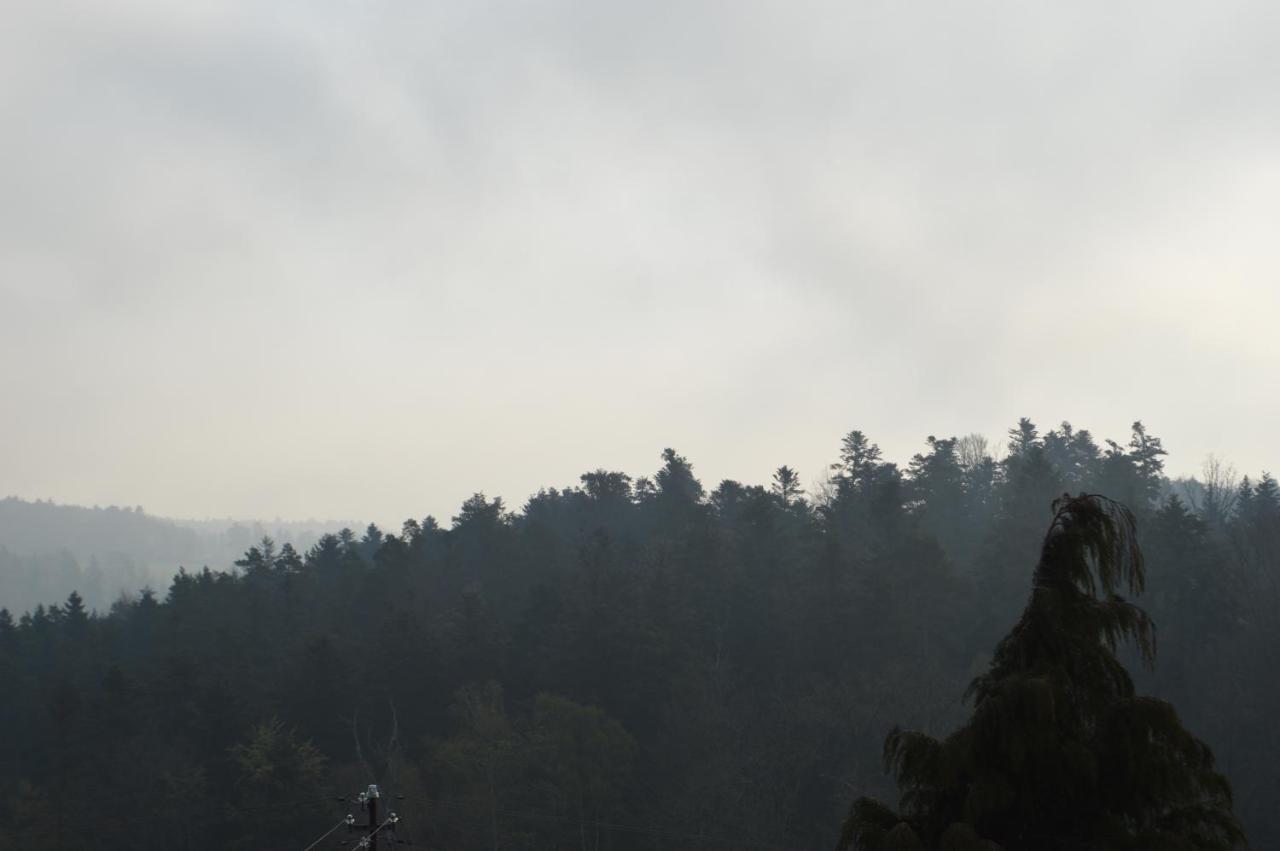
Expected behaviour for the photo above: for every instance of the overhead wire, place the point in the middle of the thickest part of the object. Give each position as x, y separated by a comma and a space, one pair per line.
389, 820
326, 835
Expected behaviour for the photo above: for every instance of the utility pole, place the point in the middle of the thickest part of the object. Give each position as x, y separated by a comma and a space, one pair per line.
369, 800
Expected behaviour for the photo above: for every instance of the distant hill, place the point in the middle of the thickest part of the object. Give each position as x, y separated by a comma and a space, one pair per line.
48, 550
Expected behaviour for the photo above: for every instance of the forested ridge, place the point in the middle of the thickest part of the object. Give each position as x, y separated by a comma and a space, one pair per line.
47, 550
625, 663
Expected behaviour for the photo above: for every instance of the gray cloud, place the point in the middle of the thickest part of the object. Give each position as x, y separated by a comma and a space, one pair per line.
360, 259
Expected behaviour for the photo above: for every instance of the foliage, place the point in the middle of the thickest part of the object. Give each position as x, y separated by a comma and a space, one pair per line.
1060, 752
625, 662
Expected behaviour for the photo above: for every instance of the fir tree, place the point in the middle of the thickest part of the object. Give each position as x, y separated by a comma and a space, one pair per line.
1060, 754
786, 485
859, 460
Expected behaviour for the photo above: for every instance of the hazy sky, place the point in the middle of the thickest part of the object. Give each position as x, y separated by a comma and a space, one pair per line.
360, 259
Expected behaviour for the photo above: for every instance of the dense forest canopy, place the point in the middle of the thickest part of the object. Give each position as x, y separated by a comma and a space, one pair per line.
624, 663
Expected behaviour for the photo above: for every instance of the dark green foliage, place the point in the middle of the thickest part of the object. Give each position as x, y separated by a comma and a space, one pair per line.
786, 485
1060, 752
694, 670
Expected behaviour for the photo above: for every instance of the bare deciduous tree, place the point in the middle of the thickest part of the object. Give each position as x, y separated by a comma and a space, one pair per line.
1215, 499
972, 450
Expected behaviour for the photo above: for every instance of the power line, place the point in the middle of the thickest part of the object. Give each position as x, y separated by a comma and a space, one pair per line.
369, 800
325, 835
364, 843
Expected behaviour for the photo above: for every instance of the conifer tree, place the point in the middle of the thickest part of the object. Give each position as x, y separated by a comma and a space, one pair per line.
786, 485
859, 459
1060, 754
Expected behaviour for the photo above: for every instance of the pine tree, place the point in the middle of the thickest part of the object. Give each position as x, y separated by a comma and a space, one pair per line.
675, 481
8, 631
937, 488
1073, 454
258, 561
288, 562
859, 460
1023, 437
1266, 500
1060, 754
786, 485
75, 619
1145, 453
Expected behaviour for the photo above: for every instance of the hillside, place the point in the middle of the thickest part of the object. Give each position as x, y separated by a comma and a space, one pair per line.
48, 550
642, 662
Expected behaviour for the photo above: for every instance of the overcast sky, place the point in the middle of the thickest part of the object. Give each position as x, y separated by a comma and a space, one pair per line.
361, 259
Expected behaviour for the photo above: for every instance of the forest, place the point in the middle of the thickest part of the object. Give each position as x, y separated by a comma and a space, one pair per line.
48, 550
648, 662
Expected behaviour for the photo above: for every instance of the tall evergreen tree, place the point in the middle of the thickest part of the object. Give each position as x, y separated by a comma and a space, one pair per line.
786, 485
1060, 754
859, 460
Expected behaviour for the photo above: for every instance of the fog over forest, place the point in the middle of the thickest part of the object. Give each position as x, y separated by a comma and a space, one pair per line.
48, 550
639, 426
658, 662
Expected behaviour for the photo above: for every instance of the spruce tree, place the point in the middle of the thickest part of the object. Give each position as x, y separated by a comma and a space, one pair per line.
1060, 754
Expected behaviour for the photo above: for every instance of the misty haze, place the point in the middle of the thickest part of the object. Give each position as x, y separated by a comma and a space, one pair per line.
811, 426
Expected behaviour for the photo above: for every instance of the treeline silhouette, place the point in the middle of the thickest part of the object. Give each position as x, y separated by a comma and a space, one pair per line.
626, 663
